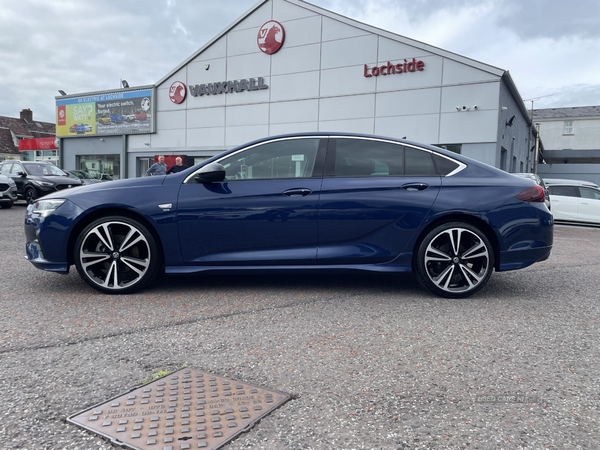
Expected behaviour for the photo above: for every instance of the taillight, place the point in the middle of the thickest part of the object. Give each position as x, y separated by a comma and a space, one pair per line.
533, 194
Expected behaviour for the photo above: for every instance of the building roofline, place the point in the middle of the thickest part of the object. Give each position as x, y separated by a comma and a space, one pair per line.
354, 23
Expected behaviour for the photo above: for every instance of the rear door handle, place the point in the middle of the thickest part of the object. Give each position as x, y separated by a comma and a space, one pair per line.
415, 186
299, 191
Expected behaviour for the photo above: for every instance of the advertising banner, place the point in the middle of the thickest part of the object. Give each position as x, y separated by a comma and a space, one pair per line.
118, 112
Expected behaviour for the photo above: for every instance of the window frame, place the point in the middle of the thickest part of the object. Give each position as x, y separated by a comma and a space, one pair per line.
568, 127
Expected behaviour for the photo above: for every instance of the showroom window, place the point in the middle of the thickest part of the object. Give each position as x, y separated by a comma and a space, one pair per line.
292, 158
568, 127
363, 157
102, 167
456, 148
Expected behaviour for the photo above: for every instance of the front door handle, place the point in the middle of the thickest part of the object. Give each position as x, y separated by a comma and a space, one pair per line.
299, 191
415, 186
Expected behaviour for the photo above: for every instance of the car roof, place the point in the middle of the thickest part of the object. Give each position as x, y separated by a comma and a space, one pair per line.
570, 182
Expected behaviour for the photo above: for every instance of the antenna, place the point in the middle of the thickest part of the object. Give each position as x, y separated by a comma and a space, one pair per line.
535, 98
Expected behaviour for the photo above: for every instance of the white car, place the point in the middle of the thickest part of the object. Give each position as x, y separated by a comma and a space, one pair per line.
575, 203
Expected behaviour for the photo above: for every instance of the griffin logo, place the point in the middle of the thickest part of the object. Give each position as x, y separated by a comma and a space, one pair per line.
177, 92
270, 37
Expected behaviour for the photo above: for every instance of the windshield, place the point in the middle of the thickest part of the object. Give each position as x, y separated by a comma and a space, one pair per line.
82, 174
44, 169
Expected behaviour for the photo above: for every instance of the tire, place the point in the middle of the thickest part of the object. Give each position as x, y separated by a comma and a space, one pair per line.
116, 255
30, 195
6, 205
454, 260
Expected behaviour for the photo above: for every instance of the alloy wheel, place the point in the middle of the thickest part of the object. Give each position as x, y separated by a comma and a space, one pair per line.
115, 255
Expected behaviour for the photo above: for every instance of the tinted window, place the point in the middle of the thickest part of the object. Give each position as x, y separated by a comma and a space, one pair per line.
363, 157
444, 165
418, 162
589, 193
294, 158
567, 191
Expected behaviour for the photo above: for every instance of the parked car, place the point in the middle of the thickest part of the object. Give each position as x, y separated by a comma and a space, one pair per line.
101, 176
300, 203
36, 179
104, 121
117, 118
538, 180
8, 192
575, 203
550, 181
141, 115
84, 176
129, 117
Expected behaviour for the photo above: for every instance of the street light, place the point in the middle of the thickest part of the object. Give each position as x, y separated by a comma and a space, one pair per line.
125, 84
61, 92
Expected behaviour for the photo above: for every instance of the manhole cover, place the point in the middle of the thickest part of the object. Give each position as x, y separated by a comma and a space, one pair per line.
187, 409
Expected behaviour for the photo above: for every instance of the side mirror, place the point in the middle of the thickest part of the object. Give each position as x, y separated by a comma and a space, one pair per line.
21, 174
211, 173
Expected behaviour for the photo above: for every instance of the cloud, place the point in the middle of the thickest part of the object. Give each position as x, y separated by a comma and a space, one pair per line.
550, 47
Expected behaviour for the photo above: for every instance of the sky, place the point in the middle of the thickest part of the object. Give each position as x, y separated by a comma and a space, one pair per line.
550, 47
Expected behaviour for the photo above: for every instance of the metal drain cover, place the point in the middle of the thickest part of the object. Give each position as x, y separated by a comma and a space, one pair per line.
187, 409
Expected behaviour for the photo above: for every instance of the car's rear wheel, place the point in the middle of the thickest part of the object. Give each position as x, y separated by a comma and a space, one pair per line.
454, 260
6, 205
116, 255
31, 195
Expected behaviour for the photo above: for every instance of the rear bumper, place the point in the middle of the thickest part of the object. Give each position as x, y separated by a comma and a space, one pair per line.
518, 259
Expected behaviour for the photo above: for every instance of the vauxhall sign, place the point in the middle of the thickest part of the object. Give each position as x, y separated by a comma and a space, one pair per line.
228, 87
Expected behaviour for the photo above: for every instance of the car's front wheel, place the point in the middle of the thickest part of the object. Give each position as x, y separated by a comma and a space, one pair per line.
31, 195
116, 255
454, 260
6, 205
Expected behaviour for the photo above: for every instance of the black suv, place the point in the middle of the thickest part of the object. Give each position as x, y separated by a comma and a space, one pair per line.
36, 179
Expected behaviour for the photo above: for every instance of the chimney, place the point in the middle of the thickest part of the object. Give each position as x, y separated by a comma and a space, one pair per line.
27, 115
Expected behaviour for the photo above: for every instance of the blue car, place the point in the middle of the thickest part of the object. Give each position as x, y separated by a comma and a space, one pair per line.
300, 203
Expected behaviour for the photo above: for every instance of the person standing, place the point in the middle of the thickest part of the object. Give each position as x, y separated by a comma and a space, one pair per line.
158, 168
178, 167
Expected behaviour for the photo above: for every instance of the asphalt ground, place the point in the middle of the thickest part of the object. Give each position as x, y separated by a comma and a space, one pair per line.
372, 361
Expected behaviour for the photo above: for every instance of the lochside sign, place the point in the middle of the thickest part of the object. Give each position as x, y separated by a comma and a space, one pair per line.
228, 87
390, 69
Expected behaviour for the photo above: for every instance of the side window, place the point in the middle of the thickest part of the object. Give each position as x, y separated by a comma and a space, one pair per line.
365, 158
589, 193
418, 162
16, 168
5, 168
444, 165
292, 158
566, 191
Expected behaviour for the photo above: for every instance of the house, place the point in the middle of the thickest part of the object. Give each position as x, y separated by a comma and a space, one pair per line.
571, 142
13, 129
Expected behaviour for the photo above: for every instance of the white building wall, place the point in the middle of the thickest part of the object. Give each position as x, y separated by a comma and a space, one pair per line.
585, 136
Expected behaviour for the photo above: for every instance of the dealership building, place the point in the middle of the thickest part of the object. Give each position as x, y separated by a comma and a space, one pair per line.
288, 66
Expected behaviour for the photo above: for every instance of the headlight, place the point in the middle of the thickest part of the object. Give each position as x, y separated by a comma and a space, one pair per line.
11, 183
47, 207
43, 183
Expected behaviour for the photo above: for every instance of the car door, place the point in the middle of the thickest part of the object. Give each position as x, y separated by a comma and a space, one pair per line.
375, 194
565, 202
589, 204
263, 213
16, 172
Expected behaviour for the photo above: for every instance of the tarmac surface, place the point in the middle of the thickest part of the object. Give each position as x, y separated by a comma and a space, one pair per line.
371, 361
